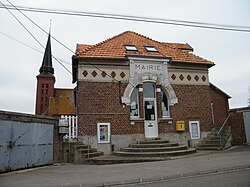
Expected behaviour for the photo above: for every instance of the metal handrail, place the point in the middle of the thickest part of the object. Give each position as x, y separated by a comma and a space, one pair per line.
82, 133
220, 130
224, 124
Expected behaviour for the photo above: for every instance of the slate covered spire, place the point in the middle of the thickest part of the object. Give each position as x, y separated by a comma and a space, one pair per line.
47, 59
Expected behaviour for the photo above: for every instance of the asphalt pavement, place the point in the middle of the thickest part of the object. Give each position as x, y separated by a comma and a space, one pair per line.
70, 175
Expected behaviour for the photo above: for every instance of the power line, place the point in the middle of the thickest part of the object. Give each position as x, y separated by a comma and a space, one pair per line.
28, 45
22, 25
39, 26
128, 18
42, 45
139, 19
34, 37
58, 42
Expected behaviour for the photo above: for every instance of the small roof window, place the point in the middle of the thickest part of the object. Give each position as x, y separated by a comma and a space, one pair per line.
131, 48
150, 48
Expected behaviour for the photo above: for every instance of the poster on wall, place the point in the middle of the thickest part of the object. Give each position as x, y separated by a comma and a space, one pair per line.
103, 130
194, 128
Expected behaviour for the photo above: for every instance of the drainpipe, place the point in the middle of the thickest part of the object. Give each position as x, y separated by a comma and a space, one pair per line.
212, 109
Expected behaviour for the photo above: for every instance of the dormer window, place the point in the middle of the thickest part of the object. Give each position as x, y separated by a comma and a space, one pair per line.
151, 49
131, 48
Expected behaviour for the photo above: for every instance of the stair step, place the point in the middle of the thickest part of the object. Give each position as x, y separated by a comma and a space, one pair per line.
153, 142
93, 154
209, 148
81, 146
76, 143
112, 159
209, 142
154, 149
155, 154
153, 145
208, 145
91, 150
213, 137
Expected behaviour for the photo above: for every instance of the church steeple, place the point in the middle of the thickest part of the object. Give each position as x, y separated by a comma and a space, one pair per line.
45, 82
47, 59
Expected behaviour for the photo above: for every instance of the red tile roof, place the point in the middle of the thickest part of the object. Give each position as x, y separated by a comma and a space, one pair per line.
114, 48
181, 46
80, 48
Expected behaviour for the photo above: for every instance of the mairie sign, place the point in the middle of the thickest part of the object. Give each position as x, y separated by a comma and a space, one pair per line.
146, 67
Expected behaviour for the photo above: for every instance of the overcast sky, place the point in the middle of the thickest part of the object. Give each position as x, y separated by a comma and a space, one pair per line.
19, 65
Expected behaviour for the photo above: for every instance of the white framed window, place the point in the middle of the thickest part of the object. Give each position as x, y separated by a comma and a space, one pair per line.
103, 132
131, 48
151, 49
194, 129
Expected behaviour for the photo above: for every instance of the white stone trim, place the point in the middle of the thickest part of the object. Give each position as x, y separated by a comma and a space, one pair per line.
159, 78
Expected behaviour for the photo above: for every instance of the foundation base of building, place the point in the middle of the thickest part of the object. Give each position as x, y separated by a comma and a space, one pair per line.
117, 142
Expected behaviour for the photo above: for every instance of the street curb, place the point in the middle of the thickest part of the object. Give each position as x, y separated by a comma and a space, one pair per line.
166, 178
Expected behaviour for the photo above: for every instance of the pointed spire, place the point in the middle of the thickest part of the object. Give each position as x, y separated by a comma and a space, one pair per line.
47, 59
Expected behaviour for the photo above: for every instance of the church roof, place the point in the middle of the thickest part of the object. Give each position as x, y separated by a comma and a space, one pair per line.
47, 67
115, 47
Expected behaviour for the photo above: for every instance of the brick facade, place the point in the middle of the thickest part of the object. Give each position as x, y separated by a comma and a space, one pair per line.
45, 91
193, 104
236, 121
100, 102
219, 105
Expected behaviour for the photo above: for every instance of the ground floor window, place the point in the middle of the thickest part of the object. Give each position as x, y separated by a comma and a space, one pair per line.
194, 129
149, 93
134, 105
164, 104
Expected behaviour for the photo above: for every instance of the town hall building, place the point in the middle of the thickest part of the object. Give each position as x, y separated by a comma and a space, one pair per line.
131, 88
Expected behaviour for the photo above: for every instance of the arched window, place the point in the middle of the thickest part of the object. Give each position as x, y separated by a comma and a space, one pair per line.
164, 104
134, 111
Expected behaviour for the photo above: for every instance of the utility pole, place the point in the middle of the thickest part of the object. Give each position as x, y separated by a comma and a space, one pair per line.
249, 97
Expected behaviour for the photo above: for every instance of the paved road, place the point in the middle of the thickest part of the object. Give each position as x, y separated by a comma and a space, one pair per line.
233, 178
92, 175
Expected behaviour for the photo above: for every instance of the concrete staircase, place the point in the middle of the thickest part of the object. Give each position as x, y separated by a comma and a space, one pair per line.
154, 148
78, 153
213, 141
144, 151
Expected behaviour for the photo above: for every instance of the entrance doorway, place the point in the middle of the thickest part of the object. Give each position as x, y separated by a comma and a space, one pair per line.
150, 111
